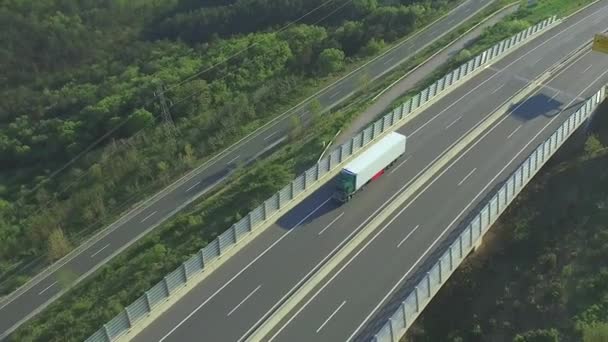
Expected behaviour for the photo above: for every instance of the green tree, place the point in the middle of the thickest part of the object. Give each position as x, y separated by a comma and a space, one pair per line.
597, 332
351, 36
58, 245
544, 335
463, 56
304, 41
139, 120
316, 110
373, 47
593, 145
330, 60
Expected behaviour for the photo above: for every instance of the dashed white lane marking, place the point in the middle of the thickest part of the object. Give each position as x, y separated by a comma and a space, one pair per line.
400, 164
407, 236
99, 250
193, 185
48, 287
331, 316
453, 122
147, 217
512, 133
244, 300
332, 222
467, 177
233, 160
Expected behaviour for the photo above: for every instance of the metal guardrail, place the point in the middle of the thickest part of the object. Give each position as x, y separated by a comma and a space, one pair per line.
271, 208
416, 301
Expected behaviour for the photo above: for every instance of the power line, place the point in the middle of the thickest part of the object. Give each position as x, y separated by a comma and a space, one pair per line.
149, 101
314, 23
213, 66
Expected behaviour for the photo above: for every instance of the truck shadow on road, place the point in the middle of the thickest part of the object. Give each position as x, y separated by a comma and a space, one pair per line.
311, 208
541, 105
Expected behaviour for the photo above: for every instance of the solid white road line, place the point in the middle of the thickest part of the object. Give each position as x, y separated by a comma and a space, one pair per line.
334, 95
589, 67
499, 87
233, 160
193, 185
453, 122
243, 270
99, 250
512, 133
332, 222
147, 217
48, 287
331, 316
467, 176
470, 203
399, 165
407, 236
244, 300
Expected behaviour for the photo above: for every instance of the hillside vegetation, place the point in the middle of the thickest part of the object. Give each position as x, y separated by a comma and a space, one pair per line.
81, 134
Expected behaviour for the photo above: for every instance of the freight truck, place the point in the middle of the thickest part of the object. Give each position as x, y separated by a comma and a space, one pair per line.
369, 165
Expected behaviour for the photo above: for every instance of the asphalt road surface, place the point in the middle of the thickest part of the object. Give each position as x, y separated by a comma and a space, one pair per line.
349, 305
16, 310
234, 299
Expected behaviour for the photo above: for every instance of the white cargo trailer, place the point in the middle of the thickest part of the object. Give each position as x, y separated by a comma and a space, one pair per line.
369, 165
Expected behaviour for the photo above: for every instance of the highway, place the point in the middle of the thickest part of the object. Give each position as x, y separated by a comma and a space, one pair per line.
45, 288
349, 305
234, 299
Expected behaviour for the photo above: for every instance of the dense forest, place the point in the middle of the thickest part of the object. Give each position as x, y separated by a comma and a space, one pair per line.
541, 275
81, 135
